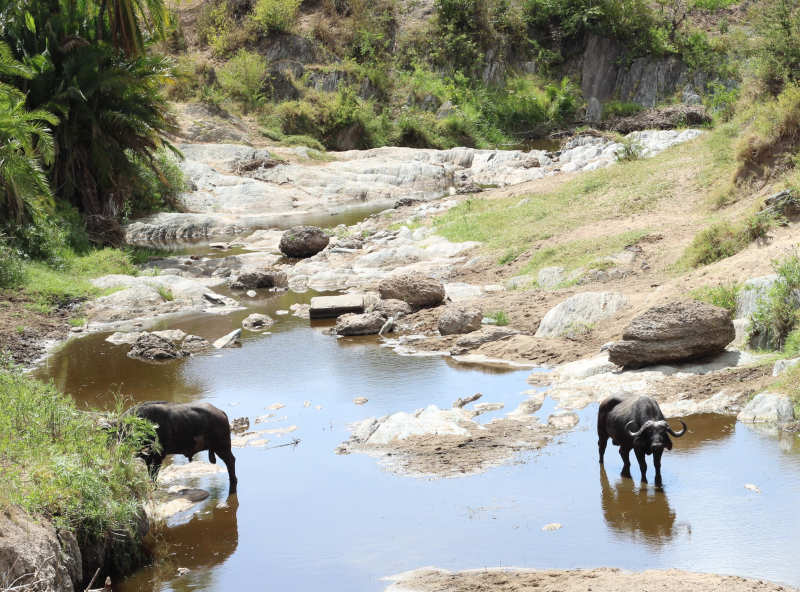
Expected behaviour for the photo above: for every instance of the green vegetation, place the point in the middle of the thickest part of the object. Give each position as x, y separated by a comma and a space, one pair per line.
499, 317
630, 150
724, 239
274, 15
613, 109
723, 295
789, 384
165, 293
242, 78
59, 464
778, 313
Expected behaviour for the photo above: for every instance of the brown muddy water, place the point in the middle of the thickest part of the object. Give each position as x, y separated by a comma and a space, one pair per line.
307, 519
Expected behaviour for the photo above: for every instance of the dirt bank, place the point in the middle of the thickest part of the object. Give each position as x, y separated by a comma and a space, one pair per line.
577, 580
25, 332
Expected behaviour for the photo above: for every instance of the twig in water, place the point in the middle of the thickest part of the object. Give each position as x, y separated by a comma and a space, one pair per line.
294, 442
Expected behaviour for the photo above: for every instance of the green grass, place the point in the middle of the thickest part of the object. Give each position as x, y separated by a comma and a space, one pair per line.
57, 463
500, 318
723, 295
52, 285
165, 293
789, 384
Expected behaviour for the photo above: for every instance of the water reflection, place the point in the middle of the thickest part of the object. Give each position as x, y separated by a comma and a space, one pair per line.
206, 541
641, 512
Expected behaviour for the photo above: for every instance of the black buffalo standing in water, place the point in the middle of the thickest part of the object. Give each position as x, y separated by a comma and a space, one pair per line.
188, 428
635, 423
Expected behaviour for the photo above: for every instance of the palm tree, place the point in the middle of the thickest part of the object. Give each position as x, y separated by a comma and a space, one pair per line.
25, 140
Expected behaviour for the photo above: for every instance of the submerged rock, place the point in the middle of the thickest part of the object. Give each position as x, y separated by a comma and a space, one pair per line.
303, 241
257, 322
414, 289
195, 343
154, 348
359, 324
458, 320
228, 340
676, 331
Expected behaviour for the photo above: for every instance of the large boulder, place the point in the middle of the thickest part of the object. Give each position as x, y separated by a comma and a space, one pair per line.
155, 348
359, 324
303, 241
414, 289
673, 332
579, 312
456, 320
767, 408
255, 279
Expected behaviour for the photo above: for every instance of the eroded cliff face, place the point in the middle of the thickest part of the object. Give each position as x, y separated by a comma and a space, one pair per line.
608, 73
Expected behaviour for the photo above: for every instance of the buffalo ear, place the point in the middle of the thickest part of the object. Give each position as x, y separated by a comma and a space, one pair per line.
669, 443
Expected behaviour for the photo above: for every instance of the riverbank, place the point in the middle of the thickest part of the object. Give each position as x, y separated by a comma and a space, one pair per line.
597, 580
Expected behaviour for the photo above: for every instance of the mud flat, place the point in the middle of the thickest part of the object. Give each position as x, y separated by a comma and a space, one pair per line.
577, 580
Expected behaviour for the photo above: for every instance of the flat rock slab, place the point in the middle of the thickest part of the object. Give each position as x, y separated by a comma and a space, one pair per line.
767, 407
330, 307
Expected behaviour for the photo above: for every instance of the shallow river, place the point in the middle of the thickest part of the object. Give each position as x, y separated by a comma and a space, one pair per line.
308, 519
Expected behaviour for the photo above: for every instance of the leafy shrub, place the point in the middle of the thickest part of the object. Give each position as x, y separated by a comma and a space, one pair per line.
158, 185
723, 239
12, 271
721, 100
242, 77
215, 27
723, 295
499, 317
778, 313
274, 15
791, 346
778, 52
630, 150
613, 109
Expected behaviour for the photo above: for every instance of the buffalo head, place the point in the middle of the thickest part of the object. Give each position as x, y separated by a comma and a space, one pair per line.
653, 434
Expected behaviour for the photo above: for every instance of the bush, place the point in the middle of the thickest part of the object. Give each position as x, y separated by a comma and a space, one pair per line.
630, 150
613, 109
723, 239
778, 53
58, 463
158, 185
778, 313
723, 295
242, 78
274, 15
12, 272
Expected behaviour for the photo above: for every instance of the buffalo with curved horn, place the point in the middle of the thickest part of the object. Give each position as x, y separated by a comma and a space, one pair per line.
635, 423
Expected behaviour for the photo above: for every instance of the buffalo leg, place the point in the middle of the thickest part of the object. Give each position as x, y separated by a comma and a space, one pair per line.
602, 440
640, 456
230, 462
626, 461
657, 464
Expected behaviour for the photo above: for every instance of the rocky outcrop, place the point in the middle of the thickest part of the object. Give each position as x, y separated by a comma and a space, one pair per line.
369, 323
663, 118
458, 319
256, 279
415, 290
227, 200
782, 366
673, 332
34, 556
608, 73
150, 347
767, 407
578, 313
257, 322
476, 339
330, 307
303, 241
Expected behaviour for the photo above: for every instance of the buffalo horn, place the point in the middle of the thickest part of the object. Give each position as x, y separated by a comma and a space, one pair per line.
639, 432
677, 434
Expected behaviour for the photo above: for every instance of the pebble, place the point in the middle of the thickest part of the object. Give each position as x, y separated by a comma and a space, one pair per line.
276, 406
751, 487
360, 400
551, 527
251, 293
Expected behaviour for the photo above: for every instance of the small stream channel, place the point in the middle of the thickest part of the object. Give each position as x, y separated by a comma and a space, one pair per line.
307, 519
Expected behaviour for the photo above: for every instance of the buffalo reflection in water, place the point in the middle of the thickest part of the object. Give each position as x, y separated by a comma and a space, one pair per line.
642, 513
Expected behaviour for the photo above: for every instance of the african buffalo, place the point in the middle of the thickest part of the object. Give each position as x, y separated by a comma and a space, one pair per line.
188, 428
635, 422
